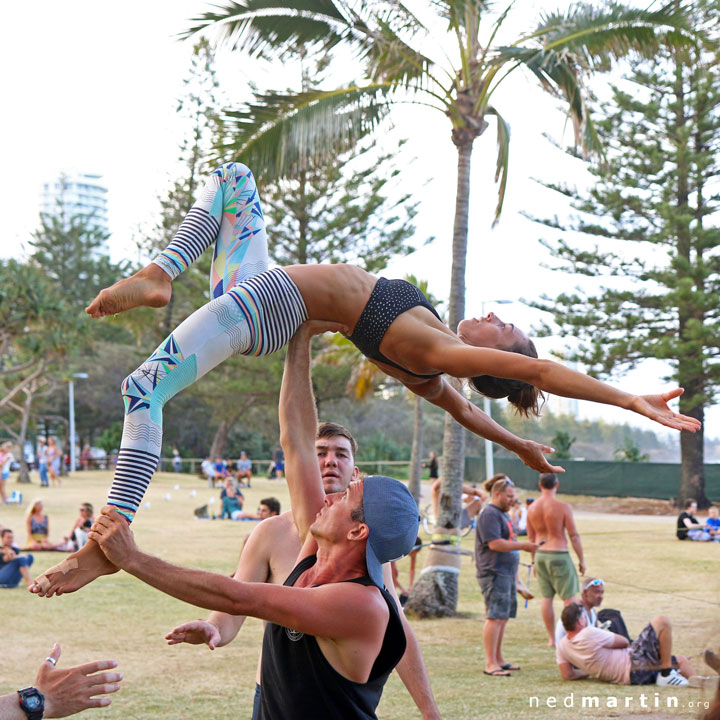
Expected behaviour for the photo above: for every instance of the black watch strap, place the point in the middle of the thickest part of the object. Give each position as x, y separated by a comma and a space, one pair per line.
32, 703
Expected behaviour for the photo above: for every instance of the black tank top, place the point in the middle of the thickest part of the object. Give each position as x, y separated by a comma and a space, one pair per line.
388, 299
298, 683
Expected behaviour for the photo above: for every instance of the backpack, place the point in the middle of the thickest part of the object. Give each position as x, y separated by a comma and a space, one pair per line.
617, 624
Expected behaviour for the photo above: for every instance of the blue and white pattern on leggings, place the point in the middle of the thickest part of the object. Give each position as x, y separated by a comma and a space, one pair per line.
258, 317
227, 212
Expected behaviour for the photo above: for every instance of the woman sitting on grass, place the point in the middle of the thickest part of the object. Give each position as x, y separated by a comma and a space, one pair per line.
37, 524
256, 311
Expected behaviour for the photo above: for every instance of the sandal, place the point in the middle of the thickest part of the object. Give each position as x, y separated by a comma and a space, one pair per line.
500, 672
509, 666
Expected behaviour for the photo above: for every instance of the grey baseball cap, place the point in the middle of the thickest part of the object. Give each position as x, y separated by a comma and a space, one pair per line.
392, 519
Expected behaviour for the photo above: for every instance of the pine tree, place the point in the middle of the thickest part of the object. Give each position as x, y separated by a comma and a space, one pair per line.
652, 203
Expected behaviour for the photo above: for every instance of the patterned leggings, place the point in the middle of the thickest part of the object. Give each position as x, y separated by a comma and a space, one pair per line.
254, 312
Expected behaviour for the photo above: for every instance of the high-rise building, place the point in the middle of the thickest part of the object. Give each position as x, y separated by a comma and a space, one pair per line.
77, 194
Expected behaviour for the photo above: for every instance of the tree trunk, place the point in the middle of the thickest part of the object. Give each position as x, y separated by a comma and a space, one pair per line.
24, 474
435, 594
220, 440
692, 483
417, 450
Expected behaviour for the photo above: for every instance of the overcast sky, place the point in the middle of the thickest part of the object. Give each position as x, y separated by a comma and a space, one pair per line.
96, 90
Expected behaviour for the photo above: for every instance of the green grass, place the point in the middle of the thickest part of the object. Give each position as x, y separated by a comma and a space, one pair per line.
119, 617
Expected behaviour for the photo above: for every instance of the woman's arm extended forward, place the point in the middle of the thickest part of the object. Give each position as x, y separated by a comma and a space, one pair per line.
440, 393
465, 361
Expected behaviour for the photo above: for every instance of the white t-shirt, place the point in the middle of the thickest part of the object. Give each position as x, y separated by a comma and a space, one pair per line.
561, 632
6, 462
590, 652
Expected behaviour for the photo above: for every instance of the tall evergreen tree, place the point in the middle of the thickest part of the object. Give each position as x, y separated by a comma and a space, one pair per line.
653, 199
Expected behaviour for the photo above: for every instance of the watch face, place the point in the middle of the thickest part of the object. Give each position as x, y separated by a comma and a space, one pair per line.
32, 702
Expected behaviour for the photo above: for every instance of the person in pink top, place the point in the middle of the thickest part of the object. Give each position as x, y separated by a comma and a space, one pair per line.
594, 652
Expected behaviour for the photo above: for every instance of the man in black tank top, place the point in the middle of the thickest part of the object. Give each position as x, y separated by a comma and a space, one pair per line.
334, 633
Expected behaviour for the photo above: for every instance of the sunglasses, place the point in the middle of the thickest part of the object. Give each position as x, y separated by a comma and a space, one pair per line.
595, 583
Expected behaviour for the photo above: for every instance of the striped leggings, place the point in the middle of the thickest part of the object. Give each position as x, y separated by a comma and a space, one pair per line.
254, 312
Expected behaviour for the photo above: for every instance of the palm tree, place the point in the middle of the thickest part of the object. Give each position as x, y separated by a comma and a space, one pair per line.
456, 70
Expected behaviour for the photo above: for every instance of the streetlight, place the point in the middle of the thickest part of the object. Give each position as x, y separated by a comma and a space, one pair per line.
71, 402
489, 461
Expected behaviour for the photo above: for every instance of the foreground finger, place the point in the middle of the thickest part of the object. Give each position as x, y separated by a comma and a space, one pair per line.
93, 667
105, 678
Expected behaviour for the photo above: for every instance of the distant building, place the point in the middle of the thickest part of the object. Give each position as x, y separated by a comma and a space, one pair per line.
77, 194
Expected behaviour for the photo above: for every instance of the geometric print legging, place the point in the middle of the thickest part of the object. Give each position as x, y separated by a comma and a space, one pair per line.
228, 213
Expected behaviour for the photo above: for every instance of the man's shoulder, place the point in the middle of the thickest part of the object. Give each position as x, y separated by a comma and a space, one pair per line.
276, 526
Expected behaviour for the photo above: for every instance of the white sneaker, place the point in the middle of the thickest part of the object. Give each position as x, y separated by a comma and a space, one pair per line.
674, 678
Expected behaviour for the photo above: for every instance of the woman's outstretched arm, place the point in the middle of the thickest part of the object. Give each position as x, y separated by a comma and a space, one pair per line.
467, 361
440, 393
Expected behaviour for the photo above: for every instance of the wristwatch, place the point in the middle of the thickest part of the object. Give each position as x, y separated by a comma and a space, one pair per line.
32, 703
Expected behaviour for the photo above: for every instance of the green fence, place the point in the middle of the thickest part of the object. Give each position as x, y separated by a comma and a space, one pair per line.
619, 479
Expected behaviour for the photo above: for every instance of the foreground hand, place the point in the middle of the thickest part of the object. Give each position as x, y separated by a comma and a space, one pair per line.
111, 531
533, 455
655, 407
198, 632
582, 567
70, 690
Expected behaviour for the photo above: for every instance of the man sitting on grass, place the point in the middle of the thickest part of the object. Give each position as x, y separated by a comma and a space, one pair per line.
592, 652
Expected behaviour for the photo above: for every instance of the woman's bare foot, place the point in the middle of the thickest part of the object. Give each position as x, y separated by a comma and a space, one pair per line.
150, 286
71, 574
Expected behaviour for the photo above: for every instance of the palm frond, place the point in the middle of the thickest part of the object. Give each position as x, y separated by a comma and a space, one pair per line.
599, 35
271, 28
282, 132
503, 158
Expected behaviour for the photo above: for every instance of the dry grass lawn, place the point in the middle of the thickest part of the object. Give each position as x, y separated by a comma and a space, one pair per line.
646, 570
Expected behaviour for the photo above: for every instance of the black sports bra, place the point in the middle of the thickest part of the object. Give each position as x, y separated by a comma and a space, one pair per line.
388, 299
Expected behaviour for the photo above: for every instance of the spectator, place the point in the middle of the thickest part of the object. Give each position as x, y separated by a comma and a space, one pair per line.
230, 483
220, 471
593, 593
232, 504
13, 566
79, 534
496, 560
85, 457
593, 652
244, 469
713, 523
53, 461
279, 462
688, 526
37, 525
6, 460
207, 468
472, 498
59, 693
434, 466
550, 523
269, 507
43, 462
518, 515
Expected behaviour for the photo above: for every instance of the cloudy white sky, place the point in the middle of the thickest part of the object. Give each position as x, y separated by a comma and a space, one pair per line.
95, 89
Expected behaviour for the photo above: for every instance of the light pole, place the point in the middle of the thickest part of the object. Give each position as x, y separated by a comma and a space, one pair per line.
489, 461
71, 402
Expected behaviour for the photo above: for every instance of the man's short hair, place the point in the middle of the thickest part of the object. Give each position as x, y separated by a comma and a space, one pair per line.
570, 616
331, 430
548, 480
272, 504
689, 502
4, 532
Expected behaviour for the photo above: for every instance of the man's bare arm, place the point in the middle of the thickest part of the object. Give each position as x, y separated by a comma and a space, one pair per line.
298, 427
568, 672
411, 668
575, 541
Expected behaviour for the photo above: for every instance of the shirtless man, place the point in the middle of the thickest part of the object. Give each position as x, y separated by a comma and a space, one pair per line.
549, 523
271, 550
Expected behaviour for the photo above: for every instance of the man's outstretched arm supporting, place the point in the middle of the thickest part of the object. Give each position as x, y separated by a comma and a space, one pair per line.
309, 610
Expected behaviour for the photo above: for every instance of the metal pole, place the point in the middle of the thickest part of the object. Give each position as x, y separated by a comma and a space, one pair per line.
71, 397
489, 464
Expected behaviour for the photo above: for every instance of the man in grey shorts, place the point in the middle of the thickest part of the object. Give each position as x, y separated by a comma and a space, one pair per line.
496, 561
548, 522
